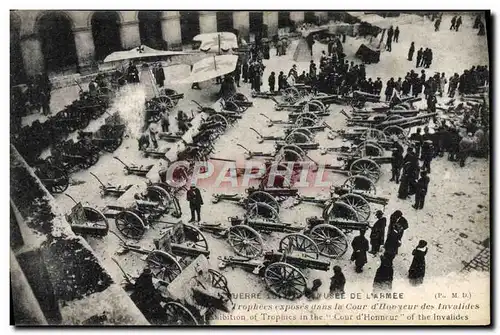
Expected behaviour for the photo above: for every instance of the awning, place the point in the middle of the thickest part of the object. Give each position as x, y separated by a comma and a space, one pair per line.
210, 42
211, 67
142, 52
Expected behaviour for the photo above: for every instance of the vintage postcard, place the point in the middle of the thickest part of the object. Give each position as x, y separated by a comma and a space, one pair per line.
186, 168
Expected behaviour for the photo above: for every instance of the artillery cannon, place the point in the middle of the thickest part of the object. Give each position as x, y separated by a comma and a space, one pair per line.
87, 221
54, 178
237, 102
148, 208
70, 156
111, 189
108, 137
138, 170
300, 137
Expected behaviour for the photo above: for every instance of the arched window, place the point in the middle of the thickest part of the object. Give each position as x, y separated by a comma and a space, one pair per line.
150, 29
106, 33
225, 21
190, 25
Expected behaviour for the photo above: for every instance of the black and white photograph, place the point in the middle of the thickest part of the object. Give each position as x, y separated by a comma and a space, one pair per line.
210, 168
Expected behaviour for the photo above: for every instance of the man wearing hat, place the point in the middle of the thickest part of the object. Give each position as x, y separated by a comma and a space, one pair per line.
427, 154
359, 246
421, 190
396, 163
377, 234
293, 71
195, 202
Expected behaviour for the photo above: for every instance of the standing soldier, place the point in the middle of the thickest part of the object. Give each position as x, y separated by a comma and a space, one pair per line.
396, 35
396, 164
377, 235
421, 190
411, 51
160, 75
281, 81
416, 140
458, 23
377, 86
360, 246
453, 21
195, 201
390, 34
272, 81
420, 53
427, 154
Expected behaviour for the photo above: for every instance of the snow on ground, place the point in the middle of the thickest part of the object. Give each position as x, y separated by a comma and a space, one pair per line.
450, 222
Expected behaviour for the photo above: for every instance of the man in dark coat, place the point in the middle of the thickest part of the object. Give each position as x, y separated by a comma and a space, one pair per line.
453, 22
271, 81
159, 75
411, 51
360, 246
458, 23
420, 53
384, 275
195, 202
244, 72
396, 164
421, 190
281, 81
237, 74
437, 24
416, 140
146, 297
390, 34
337, 282
396, 35
377, 86
416, 273
482, 29
429, 58
377, 235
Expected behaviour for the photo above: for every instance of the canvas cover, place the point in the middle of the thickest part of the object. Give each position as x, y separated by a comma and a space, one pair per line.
141, 52
211, 67
368, 55
210, 42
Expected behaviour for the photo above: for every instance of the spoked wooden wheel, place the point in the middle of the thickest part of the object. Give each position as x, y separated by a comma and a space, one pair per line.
196, 237
233, 107
112, 144
219, 281
310, 115
130, 225
374, 134
262, 210
163, 265
298, 242
157, 194
288, 155
178, 315
291, 95
264, 197
330, 240
165, 103
220, 119
245, 241
366, 167
314, 106
295, 148
360, 183
399, 132
56, 180
95, 219
369, 149
297, 137
285, 280
338, 210
360, 205
169, 92
239, 97
305, 121
173, 206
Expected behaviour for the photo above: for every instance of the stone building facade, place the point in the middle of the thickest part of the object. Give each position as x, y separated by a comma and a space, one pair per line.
75, 41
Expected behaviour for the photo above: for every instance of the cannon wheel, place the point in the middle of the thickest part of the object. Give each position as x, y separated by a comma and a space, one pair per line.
194, 235
305, 121
163, 265
395, 130
169, 92
130, 225
219, 118
282, 176
295, 148
165, 102
232, 106
264, 210
340, 210
314, 106
291, 95
361, 183
219, 281
157, 194
261, 196
330, 240
239, 96
369, 149
112, 145
298, 242
178, 315
366, 167
374, 134
245, 241
310, 115
285, 280
173, 203
297, 136
288, 155
96, 218
360, 205
59, 180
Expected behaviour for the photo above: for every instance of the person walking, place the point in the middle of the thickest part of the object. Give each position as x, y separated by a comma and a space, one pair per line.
411, 51
458, 23
437, 24
396, 35
195, 202
421, 190
420, 54
337, 282
271, 81
453, 22
384, 275
360, 246
377, 235
416, 273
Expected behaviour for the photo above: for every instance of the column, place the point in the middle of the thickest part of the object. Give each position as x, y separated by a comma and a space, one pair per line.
271, 20
241, 22
208, 22
33, 59
297, 17
129, 34
85, 51
171, 29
